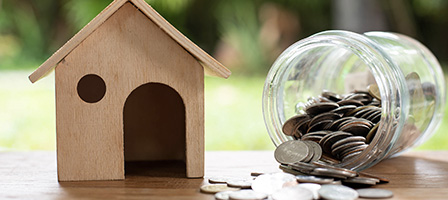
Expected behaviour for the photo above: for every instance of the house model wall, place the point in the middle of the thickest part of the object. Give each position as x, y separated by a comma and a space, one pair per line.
129, 87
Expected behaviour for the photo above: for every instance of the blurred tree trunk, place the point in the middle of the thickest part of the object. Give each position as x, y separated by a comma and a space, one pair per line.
359, 15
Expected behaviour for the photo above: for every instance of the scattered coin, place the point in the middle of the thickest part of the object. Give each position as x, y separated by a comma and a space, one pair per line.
382, 179
220, 179
375, 193
243, 184
360, 181
337, 192
313, 179
291, 151
293, 193
270, 183
224, 195
215, 188
313, 187
247, 195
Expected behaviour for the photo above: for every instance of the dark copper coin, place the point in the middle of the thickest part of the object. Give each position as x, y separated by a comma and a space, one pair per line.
352, 150
335, 125
331, 96
351, 156
371, 134
350, 102
301, 128
338, 149
360, 113
356, 129
332, 138
358, 109
324, 116
319, 125
290, 124
347, 140
318, 108
344, 109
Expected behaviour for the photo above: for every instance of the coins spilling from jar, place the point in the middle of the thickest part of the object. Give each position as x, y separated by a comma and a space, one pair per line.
342, 124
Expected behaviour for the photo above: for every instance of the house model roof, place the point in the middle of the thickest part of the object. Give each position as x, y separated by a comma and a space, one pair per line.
211, 66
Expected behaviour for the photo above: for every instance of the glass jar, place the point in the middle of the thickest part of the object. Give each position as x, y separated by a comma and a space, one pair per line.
409, 78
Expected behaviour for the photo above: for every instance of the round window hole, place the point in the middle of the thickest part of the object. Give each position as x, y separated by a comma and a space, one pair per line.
91, 88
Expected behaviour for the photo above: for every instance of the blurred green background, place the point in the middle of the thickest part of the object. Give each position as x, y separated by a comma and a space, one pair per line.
246, 36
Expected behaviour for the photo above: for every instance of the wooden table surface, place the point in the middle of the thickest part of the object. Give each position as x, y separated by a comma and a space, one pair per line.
32, 175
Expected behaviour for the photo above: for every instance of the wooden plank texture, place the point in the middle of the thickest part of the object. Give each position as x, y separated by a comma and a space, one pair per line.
32, 175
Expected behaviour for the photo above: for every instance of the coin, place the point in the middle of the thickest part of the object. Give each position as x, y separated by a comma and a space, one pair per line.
374, 91
375, 193
290, 170
270, 183
344, 109
350, 102
220, 179
336, 151
337, 192
247, 195
313, 187
371, 134
360, 181
224, 195
316, 149
348, 140
332, 173
243, 184
290, 124
214, 188
382, 179
293, 193
318, 108
291, 151
330, 139
313, 179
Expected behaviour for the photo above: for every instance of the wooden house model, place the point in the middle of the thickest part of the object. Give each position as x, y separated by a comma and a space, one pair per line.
129, 87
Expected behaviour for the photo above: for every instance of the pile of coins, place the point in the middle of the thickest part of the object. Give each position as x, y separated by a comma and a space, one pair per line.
343, 125
282, 186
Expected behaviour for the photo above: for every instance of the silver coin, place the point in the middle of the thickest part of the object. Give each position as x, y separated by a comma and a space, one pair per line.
289, 170
313, 179
316, 149
270, 183
291, 151
375, 193
361, 181
244, 184
313, 187
215, 188
337, 192
310, 151
247, 195
224, 195
293, 193
220, 179
332, 173
303, 167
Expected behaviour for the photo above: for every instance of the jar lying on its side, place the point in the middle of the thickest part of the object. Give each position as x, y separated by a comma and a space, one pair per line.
409, 78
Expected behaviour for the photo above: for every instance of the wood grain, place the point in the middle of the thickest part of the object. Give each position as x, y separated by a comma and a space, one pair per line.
211, 66
127, 51
32, 175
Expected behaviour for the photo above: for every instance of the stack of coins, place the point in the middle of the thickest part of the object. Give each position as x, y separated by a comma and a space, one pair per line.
343, 125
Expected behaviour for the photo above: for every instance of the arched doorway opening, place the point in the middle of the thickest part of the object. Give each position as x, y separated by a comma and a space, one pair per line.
154, 132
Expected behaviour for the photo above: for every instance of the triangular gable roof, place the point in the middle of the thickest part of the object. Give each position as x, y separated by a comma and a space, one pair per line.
211, 66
